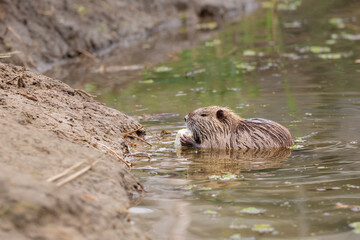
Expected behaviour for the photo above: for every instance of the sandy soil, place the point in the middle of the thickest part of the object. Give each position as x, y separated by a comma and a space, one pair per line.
46, 127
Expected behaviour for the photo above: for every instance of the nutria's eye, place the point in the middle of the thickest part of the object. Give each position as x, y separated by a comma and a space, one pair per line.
203, 115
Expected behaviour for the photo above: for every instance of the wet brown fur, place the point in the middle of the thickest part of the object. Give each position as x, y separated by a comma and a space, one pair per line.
219, 128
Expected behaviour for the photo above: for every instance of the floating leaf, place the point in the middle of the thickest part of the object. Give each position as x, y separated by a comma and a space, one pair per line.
351, 37
228, 177
210, 212
334, 36
213, 43
245, 67
149, 81
262, 228
163, 69
214, 177
356, 226
330, 42
189, 187
236, 236
223, 178
205, 188
318, 49
294, 24
253, 210
296, 147
291, 5
207, 26
338, 22
193, 73
249, 53
330, 56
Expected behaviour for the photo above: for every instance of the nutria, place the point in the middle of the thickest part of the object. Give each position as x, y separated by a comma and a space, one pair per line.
219, 128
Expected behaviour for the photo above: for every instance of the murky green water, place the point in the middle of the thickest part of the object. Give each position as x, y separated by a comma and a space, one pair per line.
298, 67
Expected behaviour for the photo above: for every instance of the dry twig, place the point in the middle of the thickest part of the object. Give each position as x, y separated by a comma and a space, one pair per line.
28, 96
8, 54
77, 174
87, 54
133, 131
140, 139
117, 155
80, 92
66, 171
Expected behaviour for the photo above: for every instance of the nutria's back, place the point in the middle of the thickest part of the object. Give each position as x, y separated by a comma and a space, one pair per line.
220, 128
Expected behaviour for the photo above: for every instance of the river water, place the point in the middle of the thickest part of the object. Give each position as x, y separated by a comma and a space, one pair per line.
297, 63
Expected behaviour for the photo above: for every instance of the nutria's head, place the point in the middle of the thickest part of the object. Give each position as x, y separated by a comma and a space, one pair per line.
211, 123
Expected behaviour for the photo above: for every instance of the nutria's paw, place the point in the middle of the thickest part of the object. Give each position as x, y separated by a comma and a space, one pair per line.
188, 141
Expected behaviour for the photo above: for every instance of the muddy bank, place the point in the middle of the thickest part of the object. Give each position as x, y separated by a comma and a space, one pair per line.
46, 127
45, 33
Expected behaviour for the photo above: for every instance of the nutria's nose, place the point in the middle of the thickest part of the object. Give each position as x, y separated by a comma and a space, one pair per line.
186, 118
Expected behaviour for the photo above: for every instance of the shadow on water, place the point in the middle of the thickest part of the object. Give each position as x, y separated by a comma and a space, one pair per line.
295, 62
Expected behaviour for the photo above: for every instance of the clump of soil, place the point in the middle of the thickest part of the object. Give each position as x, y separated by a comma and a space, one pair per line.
46, 127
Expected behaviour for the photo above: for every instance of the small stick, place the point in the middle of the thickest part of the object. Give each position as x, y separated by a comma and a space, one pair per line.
80, 91
15, 33
128, 133
14, 78
117, 155
140, 139
77, 174
28, 96
8, 54
87, 54
66, 171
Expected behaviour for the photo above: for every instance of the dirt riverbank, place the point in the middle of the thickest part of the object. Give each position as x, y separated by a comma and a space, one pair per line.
46, 127
44, 33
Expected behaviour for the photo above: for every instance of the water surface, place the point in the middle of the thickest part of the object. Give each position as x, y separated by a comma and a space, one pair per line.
297, 64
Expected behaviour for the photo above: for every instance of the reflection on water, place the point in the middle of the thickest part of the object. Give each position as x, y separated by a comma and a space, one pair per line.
296, 63
208, 163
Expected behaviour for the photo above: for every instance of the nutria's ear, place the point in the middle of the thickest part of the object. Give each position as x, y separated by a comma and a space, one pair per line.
220, 114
